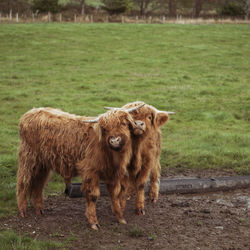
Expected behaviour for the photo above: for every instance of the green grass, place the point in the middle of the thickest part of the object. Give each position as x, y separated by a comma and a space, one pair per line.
136, 232
10, 240
199, 71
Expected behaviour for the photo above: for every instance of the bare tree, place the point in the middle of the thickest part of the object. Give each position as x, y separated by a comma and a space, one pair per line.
172, 8
247, 8
143, 5
197, 7
20, 6
82, 7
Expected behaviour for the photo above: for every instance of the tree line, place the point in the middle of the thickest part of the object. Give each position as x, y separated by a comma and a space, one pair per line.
169, 8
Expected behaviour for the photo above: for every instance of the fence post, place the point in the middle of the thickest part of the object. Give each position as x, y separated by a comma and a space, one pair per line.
75, 18
107, 19
122, 19
10, 14
17, 18
60, 17
49, 17
150, 19
136, 19
91, 19
33, 17
163, 19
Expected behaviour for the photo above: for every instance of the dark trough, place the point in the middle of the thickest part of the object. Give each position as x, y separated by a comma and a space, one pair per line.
182, 185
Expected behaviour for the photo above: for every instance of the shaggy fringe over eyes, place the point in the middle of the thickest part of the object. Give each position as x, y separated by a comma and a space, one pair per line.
110, 119
159, 117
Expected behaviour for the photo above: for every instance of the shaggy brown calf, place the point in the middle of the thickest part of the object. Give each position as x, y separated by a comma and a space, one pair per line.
107, 163
51, 139
146, 152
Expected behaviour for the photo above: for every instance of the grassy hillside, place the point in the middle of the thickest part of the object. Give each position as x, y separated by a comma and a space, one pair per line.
201, 72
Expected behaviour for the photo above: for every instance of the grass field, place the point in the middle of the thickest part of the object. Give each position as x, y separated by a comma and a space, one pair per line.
9, 240
199, 71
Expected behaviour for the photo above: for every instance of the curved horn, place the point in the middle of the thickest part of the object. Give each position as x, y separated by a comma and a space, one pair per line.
166, 112
92, 121
130, 110
135, 108
112, 108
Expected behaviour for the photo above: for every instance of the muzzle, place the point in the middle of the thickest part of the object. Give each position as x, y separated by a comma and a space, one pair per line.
116, 142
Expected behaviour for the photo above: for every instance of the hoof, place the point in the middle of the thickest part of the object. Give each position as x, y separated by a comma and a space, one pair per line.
154, 200
66, 191
122, 221
23, 214
39, 212
140, 211
95, 227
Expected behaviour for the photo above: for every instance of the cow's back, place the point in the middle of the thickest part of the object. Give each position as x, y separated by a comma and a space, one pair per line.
56, 138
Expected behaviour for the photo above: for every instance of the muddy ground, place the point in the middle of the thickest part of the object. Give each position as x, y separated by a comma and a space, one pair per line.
218, 220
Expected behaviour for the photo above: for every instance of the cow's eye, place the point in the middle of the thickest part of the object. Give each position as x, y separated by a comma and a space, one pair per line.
124, 124
150, 117
104, 131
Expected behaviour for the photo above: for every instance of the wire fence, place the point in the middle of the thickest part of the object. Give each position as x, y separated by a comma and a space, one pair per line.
47, 18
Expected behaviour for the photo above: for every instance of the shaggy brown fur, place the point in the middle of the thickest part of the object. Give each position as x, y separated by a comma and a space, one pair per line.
107, 163
146, 152
51, 139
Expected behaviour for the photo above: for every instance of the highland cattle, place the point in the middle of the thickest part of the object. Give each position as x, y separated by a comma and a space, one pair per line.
51, 139
146, 145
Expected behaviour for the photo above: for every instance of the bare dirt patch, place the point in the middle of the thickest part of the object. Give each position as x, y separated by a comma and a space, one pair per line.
206, 221
218, 220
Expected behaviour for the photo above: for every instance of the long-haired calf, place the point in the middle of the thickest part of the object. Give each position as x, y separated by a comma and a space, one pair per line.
50, 139
145, 162
107, 158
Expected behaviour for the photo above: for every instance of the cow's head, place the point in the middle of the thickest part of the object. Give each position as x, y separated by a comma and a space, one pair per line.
114, 128
147, 117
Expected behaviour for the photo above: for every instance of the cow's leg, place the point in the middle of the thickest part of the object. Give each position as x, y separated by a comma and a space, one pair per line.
155, 182
26, 164
123, 193
92, 193
114, 192
131, 186
67, 182
140, 184
21, 198
38, 183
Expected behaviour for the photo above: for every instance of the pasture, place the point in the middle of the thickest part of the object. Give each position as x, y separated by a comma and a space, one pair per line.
199, 71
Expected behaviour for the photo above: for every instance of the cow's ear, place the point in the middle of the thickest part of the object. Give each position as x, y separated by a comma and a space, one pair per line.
161, 118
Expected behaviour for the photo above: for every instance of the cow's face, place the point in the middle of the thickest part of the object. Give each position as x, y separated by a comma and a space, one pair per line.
147, 118
115, 128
